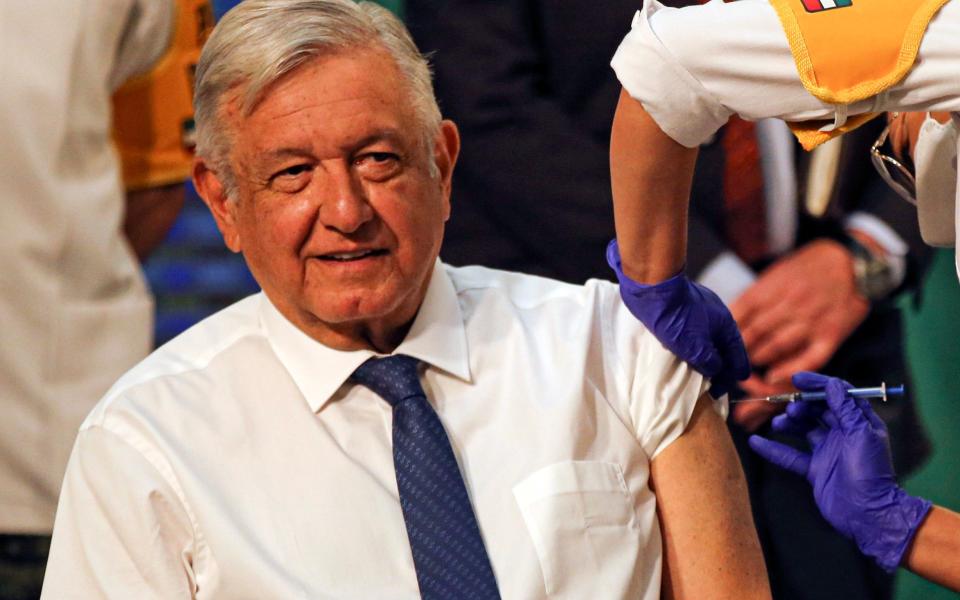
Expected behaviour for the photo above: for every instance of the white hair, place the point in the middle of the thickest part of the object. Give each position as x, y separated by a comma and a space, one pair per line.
259, 41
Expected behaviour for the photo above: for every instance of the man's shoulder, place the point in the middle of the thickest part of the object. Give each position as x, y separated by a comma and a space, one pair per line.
524, 290
502, 303
187, 356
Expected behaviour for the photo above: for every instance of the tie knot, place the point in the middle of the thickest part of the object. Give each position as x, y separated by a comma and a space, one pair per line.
393, 378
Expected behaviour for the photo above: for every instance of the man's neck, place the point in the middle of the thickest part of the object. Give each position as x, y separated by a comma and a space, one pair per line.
377, 337
380, 335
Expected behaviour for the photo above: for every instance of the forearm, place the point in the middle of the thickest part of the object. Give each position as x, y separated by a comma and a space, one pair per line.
150, 214
935, 552
651, 176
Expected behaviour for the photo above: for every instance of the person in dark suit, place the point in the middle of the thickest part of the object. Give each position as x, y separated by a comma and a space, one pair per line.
529, 83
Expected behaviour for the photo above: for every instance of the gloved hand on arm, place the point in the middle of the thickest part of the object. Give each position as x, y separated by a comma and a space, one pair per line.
850, 468
690, 321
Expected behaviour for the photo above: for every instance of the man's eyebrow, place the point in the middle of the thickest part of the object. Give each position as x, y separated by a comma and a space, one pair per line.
381, 135
281, 153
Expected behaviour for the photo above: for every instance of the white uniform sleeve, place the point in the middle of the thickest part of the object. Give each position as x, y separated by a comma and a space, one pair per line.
121, 531
693, 67
660, 390
145, 38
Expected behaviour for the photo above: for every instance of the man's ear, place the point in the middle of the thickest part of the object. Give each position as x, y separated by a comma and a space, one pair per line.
445, 152
210, 187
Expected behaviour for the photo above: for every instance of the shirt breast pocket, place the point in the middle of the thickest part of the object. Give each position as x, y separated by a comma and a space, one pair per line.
584, 529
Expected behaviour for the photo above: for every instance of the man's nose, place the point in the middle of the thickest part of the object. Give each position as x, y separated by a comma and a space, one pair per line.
344, 207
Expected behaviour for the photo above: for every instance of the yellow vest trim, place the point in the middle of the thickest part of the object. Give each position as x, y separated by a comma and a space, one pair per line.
809, 135
153, 112
875, 43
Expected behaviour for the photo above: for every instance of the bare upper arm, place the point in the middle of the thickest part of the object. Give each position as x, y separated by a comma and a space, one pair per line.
710, 545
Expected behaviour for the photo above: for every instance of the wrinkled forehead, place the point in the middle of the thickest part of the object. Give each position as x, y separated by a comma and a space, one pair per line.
260, 83
351, 71
330, 97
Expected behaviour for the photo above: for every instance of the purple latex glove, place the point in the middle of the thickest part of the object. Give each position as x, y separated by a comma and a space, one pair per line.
690, 321
850, 468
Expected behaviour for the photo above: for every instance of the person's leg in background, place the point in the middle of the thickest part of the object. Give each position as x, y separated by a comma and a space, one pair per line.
23, 559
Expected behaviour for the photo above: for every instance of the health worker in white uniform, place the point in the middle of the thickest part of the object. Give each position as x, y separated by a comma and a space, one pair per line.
824, 66
95, 114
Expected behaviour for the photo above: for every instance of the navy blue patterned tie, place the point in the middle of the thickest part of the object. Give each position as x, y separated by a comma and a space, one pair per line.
448, 552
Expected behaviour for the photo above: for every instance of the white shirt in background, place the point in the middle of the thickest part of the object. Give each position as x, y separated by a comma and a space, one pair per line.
75, 312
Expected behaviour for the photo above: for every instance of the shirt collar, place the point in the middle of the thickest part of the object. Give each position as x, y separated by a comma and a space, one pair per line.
437, 337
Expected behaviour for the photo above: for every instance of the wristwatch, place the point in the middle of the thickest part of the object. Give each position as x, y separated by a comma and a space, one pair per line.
873, 275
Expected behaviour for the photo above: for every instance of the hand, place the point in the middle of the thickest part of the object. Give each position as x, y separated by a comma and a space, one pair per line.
849, 467
690, 321
800, 310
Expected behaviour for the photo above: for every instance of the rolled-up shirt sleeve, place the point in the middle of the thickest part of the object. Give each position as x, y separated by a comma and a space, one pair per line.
658, 391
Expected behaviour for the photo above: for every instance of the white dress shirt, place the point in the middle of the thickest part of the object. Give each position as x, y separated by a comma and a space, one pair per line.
238, 461
74, 308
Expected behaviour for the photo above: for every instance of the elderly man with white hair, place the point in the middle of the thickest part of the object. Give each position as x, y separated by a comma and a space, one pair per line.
377, 424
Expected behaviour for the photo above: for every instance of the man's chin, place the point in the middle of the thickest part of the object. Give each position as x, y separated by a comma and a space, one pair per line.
354, 310
346, 310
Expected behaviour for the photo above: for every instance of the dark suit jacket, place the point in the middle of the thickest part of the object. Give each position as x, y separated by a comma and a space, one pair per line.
529, 85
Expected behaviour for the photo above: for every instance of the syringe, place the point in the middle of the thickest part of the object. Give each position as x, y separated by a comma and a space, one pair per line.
867, 392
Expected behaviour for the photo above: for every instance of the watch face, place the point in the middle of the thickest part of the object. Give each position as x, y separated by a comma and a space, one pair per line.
874, 277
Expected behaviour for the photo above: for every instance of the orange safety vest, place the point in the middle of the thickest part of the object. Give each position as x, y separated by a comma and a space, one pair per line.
849, 50
153, 125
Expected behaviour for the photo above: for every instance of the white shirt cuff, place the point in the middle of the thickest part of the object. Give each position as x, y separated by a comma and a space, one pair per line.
728, 277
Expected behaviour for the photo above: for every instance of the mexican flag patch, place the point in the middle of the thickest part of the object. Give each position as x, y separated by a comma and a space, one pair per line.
819, 5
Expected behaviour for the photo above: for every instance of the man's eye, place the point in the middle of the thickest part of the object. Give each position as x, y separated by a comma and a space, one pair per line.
292, 179
293, 171
378, 165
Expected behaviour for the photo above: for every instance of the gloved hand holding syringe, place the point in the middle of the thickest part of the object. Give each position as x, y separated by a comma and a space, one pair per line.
847, 460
